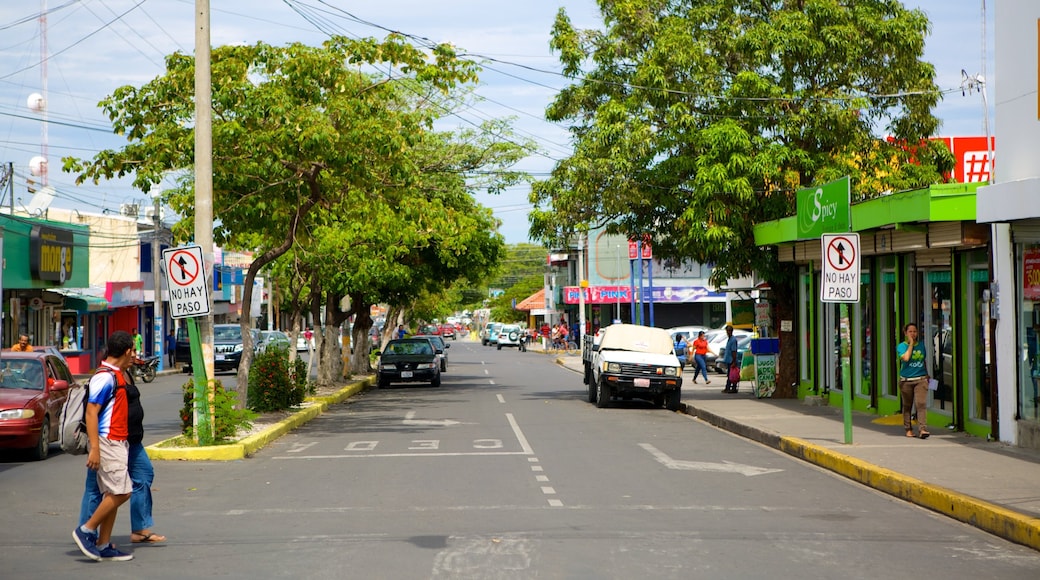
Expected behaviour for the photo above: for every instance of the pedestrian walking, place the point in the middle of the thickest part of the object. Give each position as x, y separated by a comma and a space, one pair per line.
700, 357
681, 349
108, 430
142, 474
138, 343
733, 368
913, 381
171, 348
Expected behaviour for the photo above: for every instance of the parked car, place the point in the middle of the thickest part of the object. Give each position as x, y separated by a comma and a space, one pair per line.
440, 346
33, 387
406, 360
489, 329
688, 332
449, 330
632, 361
274, 339
717, 342
228, 344
510, 335
429, 330
743, 345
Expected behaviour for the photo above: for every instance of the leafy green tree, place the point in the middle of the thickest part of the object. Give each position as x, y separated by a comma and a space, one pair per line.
295, 129
502, 307
694, 120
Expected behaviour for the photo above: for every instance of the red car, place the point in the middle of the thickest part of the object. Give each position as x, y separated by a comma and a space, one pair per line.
448, 330
33, 387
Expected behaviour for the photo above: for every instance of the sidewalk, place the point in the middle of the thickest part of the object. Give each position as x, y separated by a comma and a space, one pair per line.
989, 485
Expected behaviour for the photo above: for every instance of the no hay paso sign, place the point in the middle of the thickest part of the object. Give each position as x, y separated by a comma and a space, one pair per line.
186, 277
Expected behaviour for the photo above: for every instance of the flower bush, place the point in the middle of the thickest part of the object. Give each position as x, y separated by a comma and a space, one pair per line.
227, 420
275, 382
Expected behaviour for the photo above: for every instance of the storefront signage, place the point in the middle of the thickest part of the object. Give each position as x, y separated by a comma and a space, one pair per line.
1031, 274
119, 294
660, 294
823, 209
50, 253
597, 294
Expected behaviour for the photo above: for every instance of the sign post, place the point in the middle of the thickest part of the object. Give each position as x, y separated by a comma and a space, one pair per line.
841, 282
189, 298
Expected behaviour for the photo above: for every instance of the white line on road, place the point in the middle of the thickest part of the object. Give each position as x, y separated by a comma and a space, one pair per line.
548, 490
519, 434
301, 447
491, 381
541, 478
501, 399
555, 503
537, 468
487, 372
724, 467
409, 419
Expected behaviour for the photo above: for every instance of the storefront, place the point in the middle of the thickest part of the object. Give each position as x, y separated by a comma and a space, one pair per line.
923, 259
58, 258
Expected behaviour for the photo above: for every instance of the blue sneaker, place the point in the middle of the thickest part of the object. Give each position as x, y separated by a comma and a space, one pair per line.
87, 542
112, 554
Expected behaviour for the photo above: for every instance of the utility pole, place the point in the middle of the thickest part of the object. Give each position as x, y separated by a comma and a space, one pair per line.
157, 301
204, 213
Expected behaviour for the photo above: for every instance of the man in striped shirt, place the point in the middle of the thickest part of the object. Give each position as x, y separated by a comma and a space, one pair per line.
108, 430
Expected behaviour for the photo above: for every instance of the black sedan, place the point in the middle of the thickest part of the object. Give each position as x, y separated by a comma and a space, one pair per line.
407, 360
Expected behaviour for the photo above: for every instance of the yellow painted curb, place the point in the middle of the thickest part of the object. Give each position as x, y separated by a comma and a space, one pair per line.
253, 443
990, 517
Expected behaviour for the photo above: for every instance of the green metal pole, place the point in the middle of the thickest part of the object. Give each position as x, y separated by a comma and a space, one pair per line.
846, 382
203, 433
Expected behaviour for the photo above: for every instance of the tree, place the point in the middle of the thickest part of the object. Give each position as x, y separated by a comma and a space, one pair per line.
295, 128
502, 307
697, 119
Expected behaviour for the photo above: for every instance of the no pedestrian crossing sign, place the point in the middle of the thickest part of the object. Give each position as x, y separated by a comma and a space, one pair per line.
186, 277
840, 268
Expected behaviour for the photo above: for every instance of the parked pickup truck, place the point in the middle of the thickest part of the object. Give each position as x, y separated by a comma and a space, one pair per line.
629, 361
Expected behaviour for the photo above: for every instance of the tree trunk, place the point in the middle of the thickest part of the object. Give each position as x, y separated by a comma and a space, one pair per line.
359, 360
785, 299
330, 368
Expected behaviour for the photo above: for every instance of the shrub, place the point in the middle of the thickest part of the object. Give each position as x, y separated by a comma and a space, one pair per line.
275, 383
227, 420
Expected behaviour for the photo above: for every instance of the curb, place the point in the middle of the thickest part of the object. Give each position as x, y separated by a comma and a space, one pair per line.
253, 443
991, 518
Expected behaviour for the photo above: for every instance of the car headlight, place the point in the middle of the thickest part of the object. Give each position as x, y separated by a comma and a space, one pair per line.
17, 414
426, 366
671, 371
612, 367
238, 348
388, 367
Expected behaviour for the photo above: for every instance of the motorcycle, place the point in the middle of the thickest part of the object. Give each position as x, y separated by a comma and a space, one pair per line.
144, 368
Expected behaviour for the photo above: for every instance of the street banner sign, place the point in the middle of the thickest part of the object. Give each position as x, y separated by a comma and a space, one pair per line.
841, 278
186, 278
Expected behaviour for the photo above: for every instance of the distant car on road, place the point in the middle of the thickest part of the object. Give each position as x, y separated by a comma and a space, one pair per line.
448, 330
510, 335
440, 346
33, 387
274, 339
407, 360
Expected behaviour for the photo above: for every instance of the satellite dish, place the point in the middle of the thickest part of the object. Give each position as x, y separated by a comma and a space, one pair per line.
36, 103
41, 200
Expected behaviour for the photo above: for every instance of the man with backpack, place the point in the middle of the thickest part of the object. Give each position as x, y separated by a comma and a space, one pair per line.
108, 430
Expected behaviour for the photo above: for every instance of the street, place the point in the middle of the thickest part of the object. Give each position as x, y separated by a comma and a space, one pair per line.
505, 471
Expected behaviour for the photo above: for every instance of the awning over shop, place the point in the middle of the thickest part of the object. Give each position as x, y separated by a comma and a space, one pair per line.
536, 300
82, 302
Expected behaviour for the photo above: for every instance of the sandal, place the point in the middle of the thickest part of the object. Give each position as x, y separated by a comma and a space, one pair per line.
146, 538
923, 434
909, 432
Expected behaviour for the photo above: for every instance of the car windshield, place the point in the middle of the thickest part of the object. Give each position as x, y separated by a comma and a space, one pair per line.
411, 347
21, 374
227, 333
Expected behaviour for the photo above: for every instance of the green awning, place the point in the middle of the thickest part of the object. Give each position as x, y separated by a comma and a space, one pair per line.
84, 303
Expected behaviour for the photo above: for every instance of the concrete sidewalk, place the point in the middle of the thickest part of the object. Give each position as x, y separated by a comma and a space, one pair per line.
989, 485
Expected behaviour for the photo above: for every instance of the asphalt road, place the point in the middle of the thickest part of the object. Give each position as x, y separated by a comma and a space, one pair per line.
503, 472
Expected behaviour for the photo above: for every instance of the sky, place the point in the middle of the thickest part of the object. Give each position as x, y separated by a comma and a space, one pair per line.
96, 46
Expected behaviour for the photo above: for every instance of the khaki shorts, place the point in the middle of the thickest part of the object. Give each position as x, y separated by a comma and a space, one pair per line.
113, 476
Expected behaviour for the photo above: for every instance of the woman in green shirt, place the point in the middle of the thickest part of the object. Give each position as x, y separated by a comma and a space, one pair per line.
913, 381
